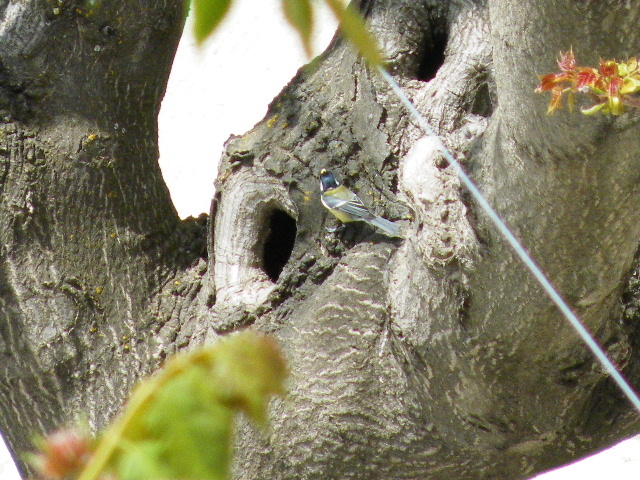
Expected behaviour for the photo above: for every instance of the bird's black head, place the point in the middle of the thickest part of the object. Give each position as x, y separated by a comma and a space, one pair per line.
327, 180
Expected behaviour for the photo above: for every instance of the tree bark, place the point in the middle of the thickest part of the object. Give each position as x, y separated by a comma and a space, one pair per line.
434, 356
89, 236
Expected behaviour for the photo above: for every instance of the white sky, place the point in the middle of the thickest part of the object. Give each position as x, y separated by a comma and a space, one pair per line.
224, 89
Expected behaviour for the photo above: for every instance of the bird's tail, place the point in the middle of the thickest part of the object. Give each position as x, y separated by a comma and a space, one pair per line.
384, 224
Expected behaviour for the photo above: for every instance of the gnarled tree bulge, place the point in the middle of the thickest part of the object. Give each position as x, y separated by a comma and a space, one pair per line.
436, 356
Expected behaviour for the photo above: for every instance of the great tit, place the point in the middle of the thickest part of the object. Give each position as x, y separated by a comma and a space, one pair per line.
347, 207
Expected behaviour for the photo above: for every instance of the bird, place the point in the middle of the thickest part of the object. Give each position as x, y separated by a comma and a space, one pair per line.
347, 207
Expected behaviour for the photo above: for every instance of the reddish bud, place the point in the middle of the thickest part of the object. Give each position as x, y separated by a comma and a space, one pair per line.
63, 453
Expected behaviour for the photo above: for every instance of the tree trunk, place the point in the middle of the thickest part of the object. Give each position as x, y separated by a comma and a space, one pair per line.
434, 356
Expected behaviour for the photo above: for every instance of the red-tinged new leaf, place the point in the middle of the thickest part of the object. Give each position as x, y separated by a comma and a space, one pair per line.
614, 86
586, 77
608, 68
547, 82
208, 15
299, 13
556, 100
567, 61
353, 28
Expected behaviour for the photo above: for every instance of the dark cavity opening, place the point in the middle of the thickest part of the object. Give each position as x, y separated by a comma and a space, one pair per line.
483, 103
433, 55
279, 243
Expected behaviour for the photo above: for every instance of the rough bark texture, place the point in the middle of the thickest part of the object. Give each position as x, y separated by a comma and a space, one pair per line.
436, 356
88, 233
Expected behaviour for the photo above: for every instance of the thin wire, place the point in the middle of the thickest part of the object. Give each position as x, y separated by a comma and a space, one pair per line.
517, 247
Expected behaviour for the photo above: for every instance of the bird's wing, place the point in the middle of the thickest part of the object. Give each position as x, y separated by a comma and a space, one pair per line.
348, 202
357, 209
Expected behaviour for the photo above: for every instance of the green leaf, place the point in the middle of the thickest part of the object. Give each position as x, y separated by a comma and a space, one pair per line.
184, 433
593, 110
208, 14
178, 424
353, 28
247, 370
299, 14
630, 85
139, 462
615, 106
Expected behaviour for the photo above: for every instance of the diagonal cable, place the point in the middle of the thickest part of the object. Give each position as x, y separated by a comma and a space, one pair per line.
517, 246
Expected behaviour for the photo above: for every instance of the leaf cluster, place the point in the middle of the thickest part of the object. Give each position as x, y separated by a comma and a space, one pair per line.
300, 15
178, 424
612, 87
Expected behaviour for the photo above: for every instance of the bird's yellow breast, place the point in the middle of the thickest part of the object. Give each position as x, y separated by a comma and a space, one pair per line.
342, 193
340, 215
